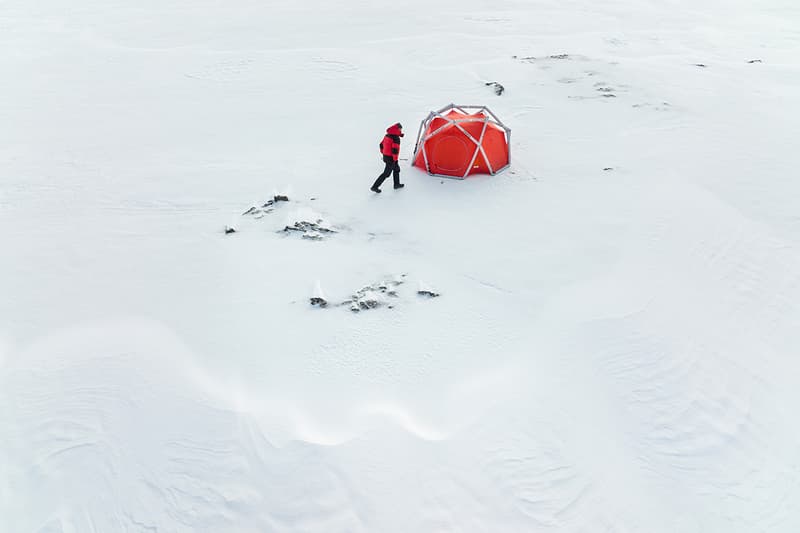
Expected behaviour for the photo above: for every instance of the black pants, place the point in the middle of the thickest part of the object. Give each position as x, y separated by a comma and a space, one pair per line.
391, 167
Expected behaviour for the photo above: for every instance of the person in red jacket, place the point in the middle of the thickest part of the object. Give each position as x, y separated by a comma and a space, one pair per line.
390, 150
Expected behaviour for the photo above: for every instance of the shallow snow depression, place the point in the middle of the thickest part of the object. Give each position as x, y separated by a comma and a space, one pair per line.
614, 345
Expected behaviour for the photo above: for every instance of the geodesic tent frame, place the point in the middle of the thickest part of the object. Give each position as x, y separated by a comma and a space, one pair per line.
488, 118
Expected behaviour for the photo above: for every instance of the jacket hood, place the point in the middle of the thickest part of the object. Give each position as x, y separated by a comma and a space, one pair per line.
395, 129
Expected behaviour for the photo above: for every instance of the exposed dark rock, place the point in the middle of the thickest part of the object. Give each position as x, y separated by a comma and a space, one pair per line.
424, 290
498, 89
258, 212
310, 230
430, 294
266, 207
372, 296
319, 302
229, 229
531, 59
364, 303
375, 295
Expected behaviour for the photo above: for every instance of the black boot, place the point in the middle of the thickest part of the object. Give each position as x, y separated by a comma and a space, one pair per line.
399, 185
374, 188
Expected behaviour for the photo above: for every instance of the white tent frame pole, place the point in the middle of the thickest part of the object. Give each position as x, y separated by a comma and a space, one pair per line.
508, 145
478, 148
446, 176
488, 163
499, 123
465, 132
442, 110
452, 122
425, 158
440, 128
422, 125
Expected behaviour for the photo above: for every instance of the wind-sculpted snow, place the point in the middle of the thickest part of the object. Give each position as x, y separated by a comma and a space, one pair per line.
146, 440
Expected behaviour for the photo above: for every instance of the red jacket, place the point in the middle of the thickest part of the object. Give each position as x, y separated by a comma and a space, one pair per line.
390, 146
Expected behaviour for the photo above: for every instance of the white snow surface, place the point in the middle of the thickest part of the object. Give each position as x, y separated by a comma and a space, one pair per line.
613, 351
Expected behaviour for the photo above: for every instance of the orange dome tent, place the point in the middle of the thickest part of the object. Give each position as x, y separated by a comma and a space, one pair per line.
457, 141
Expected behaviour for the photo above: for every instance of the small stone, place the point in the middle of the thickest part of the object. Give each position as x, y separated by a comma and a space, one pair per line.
368, 303
311, 230
319, 302
424, 290
280, 198
498, 89
229, 229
